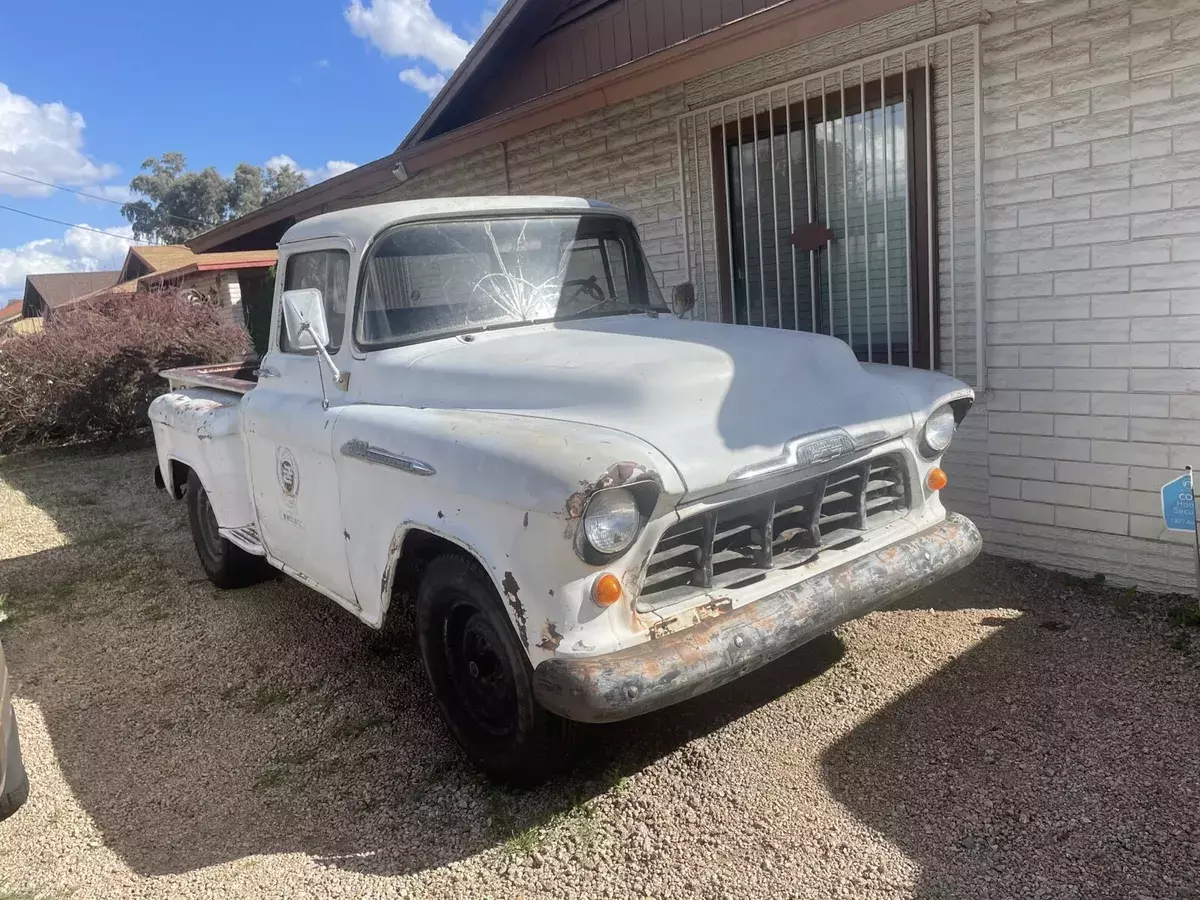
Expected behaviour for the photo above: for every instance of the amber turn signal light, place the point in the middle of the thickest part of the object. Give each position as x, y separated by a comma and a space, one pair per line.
937, 479
606, 590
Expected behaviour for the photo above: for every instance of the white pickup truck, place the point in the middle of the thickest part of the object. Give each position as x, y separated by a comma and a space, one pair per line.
595, 504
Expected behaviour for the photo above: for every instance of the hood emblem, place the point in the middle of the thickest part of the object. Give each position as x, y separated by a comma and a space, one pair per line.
801, 452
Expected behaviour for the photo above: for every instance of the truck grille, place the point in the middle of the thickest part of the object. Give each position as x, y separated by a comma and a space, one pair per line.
733, 545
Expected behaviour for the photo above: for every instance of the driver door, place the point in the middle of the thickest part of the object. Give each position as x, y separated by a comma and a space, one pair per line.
289, 429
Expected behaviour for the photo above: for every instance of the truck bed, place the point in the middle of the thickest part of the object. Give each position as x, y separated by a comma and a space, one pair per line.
239, 377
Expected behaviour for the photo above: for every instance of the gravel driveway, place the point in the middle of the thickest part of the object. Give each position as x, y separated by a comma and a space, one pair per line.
1007, 734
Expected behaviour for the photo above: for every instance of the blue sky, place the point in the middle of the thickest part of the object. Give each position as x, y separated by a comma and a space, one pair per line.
88, 90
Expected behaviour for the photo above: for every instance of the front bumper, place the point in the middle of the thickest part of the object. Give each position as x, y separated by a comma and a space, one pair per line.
684, 664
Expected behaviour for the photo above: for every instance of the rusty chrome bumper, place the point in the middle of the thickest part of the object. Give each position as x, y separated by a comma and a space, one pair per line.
677, 666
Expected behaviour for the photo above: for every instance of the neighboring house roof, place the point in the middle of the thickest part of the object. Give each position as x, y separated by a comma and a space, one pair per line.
140, 261
158, 258
12, 310
51, 291
213, 262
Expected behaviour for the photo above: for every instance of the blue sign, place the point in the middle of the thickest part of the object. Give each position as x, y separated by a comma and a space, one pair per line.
1178, 504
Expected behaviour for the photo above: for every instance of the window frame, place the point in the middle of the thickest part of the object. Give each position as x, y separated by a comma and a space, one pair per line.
640, 269
282, 270
923, 241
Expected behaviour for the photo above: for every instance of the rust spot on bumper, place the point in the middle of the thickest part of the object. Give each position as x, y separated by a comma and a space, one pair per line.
726, 644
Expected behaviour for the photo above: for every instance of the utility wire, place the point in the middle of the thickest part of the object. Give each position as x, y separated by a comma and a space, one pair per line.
21, 212
59, 187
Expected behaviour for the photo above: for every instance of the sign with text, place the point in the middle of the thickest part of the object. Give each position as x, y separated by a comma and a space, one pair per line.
1179, 504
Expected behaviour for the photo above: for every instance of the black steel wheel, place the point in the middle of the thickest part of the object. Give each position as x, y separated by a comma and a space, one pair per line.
480, 674
226, 564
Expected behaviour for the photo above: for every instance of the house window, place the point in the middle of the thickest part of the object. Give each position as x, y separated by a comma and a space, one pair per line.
824, 207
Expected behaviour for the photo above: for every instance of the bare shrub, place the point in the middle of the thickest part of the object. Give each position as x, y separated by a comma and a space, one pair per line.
91, 373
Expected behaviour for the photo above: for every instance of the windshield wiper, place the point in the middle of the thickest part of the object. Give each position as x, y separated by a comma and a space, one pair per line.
621, 309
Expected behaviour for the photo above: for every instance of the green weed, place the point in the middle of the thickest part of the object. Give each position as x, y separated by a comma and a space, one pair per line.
1186, 615
522, 843
270, 697
355, 727
270, 778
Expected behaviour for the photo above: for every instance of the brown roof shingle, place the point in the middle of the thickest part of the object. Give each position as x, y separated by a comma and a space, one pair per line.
11, 311
164, 256
63, 287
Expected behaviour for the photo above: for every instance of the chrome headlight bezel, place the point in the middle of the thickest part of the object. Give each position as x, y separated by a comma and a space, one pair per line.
934, 442
642, 495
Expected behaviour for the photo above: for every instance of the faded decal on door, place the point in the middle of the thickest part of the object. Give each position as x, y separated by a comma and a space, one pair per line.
287, 473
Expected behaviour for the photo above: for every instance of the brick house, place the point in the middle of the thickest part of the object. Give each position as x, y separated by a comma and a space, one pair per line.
1007, 191
224, 279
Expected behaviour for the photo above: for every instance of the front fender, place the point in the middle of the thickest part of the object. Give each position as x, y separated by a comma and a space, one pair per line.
923, 391
507, 489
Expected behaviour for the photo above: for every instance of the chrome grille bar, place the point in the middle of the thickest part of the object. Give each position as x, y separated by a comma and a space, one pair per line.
735, 544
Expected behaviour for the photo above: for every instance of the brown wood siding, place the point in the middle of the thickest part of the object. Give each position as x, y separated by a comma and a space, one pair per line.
612, 35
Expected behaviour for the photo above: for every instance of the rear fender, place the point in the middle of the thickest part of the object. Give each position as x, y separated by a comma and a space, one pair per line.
200, 429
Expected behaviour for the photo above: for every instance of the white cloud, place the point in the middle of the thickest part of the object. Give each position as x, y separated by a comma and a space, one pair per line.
314, 176
334, 168
101, 248
75, 251
408, 28
485, 18
43, 142
426, 84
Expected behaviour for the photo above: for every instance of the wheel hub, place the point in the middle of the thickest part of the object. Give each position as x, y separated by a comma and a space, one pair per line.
479, 670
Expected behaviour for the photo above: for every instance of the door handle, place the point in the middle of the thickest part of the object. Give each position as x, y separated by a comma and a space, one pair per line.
266, 372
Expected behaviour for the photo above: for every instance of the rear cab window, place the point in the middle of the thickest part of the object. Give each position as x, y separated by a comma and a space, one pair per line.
329, 272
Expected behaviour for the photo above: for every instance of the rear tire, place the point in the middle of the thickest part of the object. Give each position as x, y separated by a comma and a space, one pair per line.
481, 677
14, 799
226, 564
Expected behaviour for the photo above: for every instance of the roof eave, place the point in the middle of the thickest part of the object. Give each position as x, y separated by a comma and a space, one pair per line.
458, 78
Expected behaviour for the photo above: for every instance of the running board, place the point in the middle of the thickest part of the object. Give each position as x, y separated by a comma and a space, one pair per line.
246, 537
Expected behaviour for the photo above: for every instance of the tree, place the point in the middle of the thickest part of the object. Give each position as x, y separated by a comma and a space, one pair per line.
175, 205
283, 182
245, 189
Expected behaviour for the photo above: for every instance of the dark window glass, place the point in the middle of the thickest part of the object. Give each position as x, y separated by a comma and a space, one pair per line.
329, 272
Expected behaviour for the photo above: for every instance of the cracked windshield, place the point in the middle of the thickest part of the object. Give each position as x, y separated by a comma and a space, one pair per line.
435, 279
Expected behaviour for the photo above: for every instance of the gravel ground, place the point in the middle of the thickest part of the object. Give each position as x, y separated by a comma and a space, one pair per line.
1009, 734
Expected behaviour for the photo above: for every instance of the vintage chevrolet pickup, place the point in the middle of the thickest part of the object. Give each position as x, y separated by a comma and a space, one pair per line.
594, 504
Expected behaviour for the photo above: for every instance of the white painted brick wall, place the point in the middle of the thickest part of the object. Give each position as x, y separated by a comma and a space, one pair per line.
1093, 184
1091, 121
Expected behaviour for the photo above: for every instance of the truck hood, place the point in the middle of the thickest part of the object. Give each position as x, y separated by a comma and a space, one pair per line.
712, 398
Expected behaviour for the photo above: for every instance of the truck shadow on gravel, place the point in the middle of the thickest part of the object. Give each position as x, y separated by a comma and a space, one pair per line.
196, 727
1056, 758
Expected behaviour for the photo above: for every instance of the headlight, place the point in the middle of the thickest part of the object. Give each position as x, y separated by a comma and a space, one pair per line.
612, 520
938, 431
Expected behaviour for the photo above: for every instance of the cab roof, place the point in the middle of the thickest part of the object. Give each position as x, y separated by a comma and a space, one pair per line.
361, 223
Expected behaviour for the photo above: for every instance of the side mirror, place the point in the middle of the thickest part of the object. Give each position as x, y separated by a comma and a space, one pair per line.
683, 298
304, 319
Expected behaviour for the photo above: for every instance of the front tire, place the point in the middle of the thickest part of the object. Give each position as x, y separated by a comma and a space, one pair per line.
480, 675
226, 564
15, 780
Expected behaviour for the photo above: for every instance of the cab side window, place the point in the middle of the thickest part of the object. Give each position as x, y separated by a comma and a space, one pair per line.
329, 272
